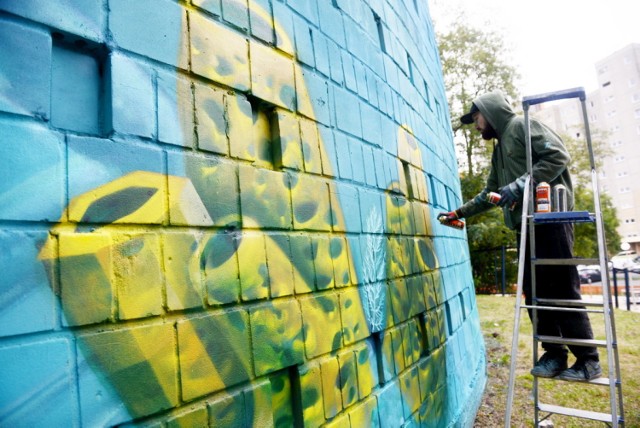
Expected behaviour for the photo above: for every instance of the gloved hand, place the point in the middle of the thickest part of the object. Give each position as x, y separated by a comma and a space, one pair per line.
509, 194
446, 217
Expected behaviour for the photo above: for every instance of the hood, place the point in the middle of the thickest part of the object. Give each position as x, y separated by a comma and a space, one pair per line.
496, 110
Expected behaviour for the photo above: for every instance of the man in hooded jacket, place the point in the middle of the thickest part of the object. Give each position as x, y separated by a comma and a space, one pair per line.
495, 119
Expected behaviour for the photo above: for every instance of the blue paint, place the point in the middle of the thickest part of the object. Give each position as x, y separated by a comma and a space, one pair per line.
33, 386
25, 60
24, 285
76, 91
32, 173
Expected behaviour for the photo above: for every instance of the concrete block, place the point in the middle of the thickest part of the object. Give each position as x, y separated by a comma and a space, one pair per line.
310, 146
282, 398
371, 125
225, 63
141, 366
321, 52
389, 409
81, 17
311, 393
196, 416
219, 265
367, 367
349, 71
323, 262
290, 148
87, 292
344, 156
115, 182
236, 13
211, 6
76, 91
331, 22
25, 368
331, 394
310, 199
357, 160
348, 378
335, 63
25, 61
272, 76
328, 151
137, 268
214, 352
181, 257
271, 351
312, 96
354, 323
321, 324
175, 110
261, 19
281, 277
215, 182
302, 260
339, 252
32, 176
211, 119
283, 20
304, 42
346, 216
133, 105
252, 260
258, 399
228, 410
365, 414
264, 198
347, 108
165, 25
26, 283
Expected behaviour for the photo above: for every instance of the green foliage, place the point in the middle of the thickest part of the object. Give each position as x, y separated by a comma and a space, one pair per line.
473, 63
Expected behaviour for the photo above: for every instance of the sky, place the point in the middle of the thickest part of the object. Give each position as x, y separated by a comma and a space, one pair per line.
554, 44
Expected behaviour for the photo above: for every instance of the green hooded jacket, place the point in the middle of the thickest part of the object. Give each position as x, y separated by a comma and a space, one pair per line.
550, 157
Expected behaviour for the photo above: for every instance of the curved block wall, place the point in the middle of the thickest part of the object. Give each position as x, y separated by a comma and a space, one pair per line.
222, 213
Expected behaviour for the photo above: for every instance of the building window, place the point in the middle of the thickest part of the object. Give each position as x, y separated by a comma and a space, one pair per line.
616, 143
633, 82
637, 113
603, 70
624, 190
609, 98
635, 98
605, 84
622, 174
612, 113
618, 159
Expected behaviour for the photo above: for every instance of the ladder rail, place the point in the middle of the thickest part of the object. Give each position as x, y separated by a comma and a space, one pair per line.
516, 323
616, 417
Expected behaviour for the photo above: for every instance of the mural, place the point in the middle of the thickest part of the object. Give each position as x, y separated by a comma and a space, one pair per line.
242, 234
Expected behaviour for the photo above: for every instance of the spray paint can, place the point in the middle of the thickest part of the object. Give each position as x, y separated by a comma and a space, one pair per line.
493, 198
456, 223
543, 197
560, 203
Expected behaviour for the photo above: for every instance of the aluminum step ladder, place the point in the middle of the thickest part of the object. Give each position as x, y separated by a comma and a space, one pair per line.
530, 219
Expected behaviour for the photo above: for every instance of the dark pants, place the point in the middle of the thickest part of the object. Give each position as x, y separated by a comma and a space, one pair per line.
557, 282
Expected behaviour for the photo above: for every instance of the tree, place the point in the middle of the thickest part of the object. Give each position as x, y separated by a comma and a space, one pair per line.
473, 62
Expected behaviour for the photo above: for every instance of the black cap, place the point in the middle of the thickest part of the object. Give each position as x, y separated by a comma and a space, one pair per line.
467, 119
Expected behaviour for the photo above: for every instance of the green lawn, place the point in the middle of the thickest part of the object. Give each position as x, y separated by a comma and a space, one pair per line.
497, 318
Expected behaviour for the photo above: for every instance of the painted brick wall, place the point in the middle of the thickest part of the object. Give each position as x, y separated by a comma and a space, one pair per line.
222, 213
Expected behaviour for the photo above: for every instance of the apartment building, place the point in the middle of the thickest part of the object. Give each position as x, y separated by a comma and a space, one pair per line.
614, 116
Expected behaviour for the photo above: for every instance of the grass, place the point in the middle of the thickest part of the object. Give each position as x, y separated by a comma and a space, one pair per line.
497, 318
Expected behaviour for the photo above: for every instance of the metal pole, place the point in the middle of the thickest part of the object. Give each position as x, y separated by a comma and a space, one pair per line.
504, 273
626, 288
615, 285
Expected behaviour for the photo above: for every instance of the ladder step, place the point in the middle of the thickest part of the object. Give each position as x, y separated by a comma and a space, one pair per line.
564, 217
565, 262
600, 381
562, 309
567, 302
567, 411
570, 341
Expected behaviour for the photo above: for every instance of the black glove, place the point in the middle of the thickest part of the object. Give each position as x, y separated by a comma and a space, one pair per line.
509, 194
449, 216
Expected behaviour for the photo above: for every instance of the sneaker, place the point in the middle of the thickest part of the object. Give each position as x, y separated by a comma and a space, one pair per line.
550, 365
582, 371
